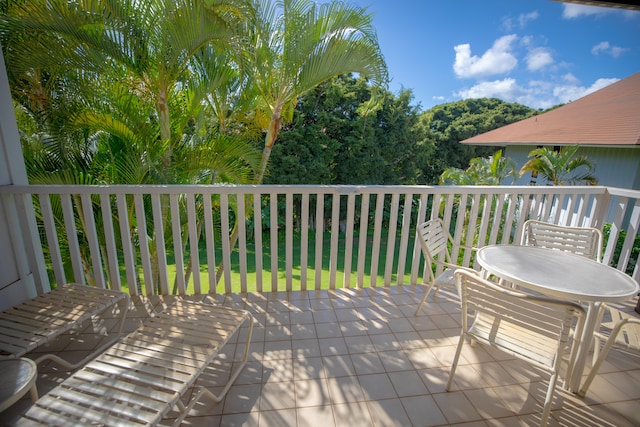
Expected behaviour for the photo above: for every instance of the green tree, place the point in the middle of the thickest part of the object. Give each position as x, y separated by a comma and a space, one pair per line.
561, 167
448, 124
115, 91
331, 141
296, 45
494, 170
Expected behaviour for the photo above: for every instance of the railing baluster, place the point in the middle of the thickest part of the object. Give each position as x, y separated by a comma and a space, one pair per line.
242, 241
110, 242
92, 239
210, 241
143, 240
348, 239
225, 235
288, 253
177, 243
257, 236
319, 236
335, 232
52, 238
127, 246
72, 238
194, 237
304, 240
362, 243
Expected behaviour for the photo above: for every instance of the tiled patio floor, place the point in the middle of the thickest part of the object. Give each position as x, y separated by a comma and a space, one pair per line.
361, 358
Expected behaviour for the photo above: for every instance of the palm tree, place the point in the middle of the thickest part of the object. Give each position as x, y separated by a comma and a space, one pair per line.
127, 88
560, 167
298, 44
493, 170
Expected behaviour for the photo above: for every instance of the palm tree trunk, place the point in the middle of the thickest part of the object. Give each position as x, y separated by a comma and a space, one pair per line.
272, 133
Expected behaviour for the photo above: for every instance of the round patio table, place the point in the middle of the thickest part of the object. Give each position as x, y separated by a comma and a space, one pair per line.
17, 377
561, 275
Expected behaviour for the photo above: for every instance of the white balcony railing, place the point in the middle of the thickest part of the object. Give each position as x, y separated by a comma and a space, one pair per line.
131, 237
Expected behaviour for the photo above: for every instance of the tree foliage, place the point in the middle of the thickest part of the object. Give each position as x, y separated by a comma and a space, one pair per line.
494, 170
331, 140
448, 124
561, 167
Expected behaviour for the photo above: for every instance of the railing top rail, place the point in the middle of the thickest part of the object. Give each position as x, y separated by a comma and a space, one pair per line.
302, 189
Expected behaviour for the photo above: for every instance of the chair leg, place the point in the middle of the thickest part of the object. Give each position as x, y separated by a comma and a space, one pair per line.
454, 365
549, 399
596, 366
424, 298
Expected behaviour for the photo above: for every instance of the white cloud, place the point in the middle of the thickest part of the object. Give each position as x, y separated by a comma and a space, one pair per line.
497, 60
525, 18
572, 11
536, 94
539, 58
573, 90
509, 23
606, 48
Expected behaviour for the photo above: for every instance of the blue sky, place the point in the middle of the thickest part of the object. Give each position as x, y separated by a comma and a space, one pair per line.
538, 53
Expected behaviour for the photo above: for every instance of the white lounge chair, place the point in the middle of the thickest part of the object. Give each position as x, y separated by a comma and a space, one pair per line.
140, 379
41, 320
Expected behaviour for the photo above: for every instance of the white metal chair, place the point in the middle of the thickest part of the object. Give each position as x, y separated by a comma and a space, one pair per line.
585, 241
532, 328
434, 241
623, 335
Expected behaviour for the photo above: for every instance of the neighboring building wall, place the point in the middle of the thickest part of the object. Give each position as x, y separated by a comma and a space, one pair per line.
614, 167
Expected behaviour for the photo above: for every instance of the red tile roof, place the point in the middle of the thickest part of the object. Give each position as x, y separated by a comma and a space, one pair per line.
607, 117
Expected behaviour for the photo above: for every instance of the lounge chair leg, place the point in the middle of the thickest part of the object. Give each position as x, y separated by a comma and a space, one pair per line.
184, 410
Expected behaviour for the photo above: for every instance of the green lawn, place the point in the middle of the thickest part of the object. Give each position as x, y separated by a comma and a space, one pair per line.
296, 271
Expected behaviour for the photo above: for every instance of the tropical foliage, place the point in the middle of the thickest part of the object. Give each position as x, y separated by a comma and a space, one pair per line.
494, 170
561, 167
294, 49
332, 141
448, 124
169, 91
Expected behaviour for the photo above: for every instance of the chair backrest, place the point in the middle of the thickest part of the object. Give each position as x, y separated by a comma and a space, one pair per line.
529, 327
434, 240
584, 241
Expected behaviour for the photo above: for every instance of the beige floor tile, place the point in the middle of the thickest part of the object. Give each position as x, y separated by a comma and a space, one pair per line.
345, 389
278, 395
308, 368
367, 363
388, 413
240, 420
407, 383
278, 418
333, 346
423, 411
377, 386
395, 360
277, 370
487, 403
456, 407
242, 398
312, 393
304, 348
338, 366
359, 344
352, 414
315, 416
